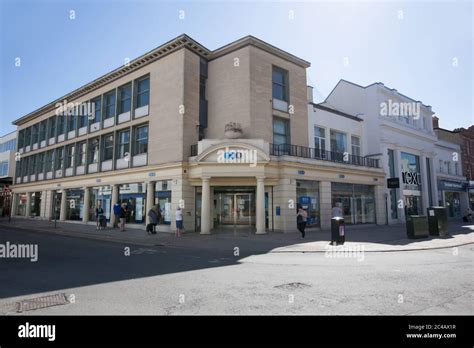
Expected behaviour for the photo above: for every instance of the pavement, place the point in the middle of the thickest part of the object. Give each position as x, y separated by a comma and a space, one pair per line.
371, 238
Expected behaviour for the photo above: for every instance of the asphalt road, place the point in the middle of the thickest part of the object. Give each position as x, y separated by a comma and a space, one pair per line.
103, 279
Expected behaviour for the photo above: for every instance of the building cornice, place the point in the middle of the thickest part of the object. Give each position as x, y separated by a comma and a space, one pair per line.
182, 41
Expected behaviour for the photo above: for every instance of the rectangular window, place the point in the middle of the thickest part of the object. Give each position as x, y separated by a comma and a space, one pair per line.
93, 150
82, 120
97, 109
70, 149
448, 166
125, 98
71, 122
109, 103
319, 139
142, 92
21, 138
24, 166
50, 161
4, 168
34, 133
108, 147
280, 84
123, 143
52, 127
42, 131
31, 165
41, 162
281, 131
141, 140
59, 158
456, 168
81, 154
28, 136
440, 166
355, 142
61, 124
338, 142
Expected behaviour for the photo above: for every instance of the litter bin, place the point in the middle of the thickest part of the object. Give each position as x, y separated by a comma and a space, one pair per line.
438, 221
417, 226
338, 233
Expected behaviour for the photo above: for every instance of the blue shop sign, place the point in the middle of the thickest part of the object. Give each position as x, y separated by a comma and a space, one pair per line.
305, 200
445, 185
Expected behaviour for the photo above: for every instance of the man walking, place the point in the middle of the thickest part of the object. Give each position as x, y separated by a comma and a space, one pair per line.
116, 214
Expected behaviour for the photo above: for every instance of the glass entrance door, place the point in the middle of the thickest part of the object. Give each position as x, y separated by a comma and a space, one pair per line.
235, 209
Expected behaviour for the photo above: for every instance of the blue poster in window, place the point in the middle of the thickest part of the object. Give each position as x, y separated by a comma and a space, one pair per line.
305, 200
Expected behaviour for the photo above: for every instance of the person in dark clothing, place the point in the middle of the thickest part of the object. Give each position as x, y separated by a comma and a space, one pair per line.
99, 215
153, 215
301, 218
116, 214
123, 216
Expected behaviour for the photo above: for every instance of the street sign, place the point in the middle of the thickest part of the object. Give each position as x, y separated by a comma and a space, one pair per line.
393, 183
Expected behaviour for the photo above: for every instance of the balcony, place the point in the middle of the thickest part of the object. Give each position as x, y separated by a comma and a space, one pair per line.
323, 155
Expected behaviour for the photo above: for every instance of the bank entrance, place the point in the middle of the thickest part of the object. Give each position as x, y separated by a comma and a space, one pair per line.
234, 206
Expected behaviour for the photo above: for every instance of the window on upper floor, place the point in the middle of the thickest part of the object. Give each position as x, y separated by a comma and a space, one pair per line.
280, 84
319, 138
28, 136
142, 92
59, 158
71, 122
52, 127
141, 140
456, 168
338, 141
125, 98
70, 150
97, 109
109, 105
82, 120
355, 143
123, 144
4, 168
448, 167
108, 146
34, 133
32, 165
41, 162
42, 130
93, 151
61, 124
21, 138
281, 131
50, 161
81, 154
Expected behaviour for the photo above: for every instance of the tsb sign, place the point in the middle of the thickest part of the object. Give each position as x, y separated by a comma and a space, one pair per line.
411, 178
237, 156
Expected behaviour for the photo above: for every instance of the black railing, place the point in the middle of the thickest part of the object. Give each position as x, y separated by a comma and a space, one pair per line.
194, 150
313, 153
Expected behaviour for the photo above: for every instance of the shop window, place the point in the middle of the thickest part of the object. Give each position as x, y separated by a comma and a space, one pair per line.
134, 196
75, 204
35, 204
356, 201
163, 200
100, 195
307, 195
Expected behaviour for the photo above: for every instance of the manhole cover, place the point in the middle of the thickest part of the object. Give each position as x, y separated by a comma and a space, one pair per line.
41, 302
293, 286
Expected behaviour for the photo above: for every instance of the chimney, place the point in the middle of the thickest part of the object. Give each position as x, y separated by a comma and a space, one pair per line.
309, 93
435, 122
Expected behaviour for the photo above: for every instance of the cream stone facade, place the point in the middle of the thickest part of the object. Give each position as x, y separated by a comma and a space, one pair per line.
158, 137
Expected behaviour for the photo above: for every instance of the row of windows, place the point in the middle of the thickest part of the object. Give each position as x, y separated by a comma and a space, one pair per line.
90, 152
9, 145
446, 167
338, 141
91, 114
4, 168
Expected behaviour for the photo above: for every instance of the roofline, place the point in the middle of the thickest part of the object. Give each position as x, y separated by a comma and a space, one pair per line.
337, 112
5, 135
173, 45
446, 130
383, 85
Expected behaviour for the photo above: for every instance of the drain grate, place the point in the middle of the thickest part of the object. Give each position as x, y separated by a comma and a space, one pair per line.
41, 302
293, 286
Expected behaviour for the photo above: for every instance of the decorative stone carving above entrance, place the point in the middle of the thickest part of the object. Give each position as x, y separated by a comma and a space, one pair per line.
233, 130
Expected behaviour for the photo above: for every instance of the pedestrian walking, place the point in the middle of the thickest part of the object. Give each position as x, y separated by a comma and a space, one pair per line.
153, 215
123, 216
179, 221
301, 219
116, 214
99, 215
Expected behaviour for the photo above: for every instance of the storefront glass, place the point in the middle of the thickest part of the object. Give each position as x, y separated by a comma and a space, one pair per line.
411, 181
134, 195
35, 204
75, 204
357, 202
163, 198
307, 194
453, 204
21, 208
100, 194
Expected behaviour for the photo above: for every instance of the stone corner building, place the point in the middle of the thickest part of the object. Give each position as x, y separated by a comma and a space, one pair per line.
159, 130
